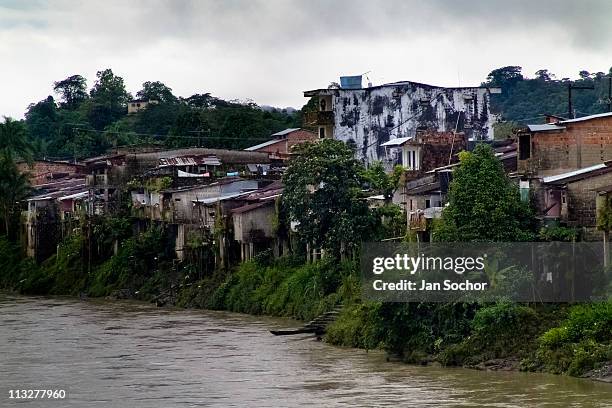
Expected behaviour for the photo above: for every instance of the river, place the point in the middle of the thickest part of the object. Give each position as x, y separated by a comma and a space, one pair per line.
128, 354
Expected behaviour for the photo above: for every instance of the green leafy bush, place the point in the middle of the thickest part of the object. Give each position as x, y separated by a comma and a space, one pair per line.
580, 343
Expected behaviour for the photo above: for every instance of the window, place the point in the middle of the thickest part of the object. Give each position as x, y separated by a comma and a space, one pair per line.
410, 204
321, 132
427, 203
411, 158
524, 147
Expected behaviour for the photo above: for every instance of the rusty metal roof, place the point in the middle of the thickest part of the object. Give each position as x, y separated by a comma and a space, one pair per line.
189, 161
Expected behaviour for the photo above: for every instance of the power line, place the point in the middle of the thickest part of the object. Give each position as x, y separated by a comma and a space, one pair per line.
158, 136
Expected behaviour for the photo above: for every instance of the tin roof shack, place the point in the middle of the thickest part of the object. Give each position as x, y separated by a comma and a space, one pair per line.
279, 147
564, 145
106, 175
180, 205
423, 152
369, 117
506, 152
571, 198
45, 171
425, 198
254, 226
51, 213
191, 167
230, 160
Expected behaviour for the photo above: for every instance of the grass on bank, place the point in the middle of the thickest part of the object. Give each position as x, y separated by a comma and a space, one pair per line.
552, 338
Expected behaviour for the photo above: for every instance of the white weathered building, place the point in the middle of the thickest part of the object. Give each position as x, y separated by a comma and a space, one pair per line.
369, 117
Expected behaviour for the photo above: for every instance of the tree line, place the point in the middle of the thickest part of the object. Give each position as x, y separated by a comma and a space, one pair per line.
525, 99
76, 122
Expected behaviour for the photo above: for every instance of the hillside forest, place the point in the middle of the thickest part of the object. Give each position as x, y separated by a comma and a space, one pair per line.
77, 121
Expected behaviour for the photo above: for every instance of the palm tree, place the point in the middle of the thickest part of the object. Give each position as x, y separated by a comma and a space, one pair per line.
14, 142
14, 187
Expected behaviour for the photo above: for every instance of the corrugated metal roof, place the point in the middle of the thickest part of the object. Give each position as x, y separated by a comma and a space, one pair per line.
189, 161
74, 196
285, 132
590, 117
262, 145
254, 168
250, 207
545, 127
424, 189
398, 141
213, 200
569, 174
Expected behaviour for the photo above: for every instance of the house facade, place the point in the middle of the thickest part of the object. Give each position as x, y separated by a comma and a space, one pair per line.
281, 144
369, 117
565, 145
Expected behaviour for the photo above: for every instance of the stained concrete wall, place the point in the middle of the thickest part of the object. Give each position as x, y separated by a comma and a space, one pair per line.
371, 116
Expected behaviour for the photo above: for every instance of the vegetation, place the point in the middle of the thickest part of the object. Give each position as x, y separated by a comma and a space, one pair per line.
14, 185
326, 191
82, 123
580, 343
323, 194
483, 205
526, 100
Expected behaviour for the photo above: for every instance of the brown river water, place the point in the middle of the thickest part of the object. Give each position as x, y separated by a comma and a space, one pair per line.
127, 354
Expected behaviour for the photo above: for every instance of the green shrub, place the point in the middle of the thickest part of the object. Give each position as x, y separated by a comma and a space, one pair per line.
358, 325
580, 343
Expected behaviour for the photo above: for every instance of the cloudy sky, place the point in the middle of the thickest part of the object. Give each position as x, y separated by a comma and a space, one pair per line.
271, 50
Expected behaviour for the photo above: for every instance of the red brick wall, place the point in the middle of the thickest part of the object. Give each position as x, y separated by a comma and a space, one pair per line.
41, 171
436, 148
582, 199
283, 146
581, 144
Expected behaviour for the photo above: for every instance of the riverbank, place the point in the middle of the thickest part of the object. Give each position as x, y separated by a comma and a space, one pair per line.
558, 339
118, 353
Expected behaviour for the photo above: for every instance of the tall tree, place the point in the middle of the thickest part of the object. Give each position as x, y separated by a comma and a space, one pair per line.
72, 90
483, 204
323, 193
14, 187
108, 99
14, 142
13, 184
41, 119
156, 91
505, 77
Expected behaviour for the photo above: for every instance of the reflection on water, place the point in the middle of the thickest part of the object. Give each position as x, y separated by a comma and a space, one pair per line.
124, 354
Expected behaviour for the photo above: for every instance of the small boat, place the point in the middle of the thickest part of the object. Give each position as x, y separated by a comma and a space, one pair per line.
288, 332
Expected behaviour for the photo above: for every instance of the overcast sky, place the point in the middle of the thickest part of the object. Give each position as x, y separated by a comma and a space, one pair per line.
272, 50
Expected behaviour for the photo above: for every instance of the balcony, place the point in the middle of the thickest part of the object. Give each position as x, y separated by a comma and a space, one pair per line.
319, 118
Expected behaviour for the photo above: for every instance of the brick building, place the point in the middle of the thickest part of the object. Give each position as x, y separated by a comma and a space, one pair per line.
44, 171
425, 151
282, 143
565, 145
571, 198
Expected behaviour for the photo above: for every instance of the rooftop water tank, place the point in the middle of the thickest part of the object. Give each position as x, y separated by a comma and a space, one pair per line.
350, 82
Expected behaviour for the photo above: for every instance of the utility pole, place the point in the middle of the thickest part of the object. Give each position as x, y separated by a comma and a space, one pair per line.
570, 108
608, 100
